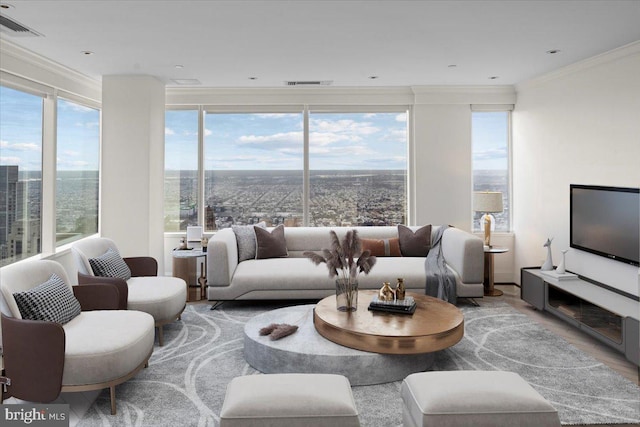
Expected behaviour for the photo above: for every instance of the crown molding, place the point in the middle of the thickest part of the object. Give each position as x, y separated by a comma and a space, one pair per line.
603, 58
29, 65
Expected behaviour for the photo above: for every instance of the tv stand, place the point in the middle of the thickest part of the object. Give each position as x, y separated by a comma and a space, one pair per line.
609, 316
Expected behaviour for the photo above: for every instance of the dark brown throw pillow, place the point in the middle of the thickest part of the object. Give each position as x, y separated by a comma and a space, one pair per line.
270, 244
414, 244
382, 247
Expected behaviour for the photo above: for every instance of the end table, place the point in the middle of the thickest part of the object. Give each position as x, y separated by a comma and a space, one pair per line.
489, 251
185, 267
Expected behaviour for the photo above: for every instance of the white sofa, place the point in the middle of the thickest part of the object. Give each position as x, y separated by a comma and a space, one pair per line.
296, 277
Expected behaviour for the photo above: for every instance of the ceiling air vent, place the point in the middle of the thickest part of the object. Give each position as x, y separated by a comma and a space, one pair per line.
308, 83
14, 28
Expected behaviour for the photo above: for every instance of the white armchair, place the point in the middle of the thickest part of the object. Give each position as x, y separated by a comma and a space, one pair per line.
98, 347
162, 297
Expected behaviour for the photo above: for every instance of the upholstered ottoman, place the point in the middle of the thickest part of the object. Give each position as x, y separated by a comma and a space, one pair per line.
473, 398
287, 400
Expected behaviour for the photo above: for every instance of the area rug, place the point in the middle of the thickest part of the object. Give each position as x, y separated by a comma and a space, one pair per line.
185, 382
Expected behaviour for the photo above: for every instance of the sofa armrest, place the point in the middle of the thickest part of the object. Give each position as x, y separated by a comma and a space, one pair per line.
33, 358
464, 252
123, 289
222, 258
101, 296
142, 266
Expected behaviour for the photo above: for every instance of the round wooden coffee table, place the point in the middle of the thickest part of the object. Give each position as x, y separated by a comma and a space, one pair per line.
434, 326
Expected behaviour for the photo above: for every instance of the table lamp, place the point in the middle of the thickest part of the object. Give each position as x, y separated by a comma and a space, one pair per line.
487, 202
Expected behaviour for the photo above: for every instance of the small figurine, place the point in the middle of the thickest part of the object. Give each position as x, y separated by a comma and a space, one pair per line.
562, 267
548, 264
400, 289
183, 244
386, 293
204, 242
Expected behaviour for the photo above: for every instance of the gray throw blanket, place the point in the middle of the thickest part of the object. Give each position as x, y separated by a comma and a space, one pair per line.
441, 282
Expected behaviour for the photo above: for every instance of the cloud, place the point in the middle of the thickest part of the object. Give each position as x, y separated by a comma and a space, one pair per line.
271, 141
169, 131
343, 126
278, 115
207, 132
397, 135
401, 118
4, 144
71, 153
491, 154
10, 160
20, 146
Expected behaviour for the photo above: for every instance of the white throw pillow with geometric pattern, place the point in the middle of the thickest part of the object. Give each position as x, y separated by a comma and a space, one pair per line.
51, 301
110, 264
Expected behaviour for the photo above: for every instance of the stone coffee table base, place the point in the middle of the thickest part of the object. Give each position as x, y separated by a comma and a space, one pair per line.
306, 351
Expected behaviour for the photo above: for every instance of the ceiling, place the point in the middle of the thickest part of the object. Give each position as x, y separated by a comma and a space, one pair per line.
401, 43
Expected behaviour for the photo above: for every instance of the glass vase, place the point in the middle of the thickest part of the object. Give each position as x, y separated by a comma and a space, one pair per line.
346, 295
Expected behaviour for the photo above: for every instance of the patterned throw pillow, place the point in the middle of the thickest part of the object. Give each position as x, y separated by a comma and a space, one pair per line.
110, 264
246, 238
51, 301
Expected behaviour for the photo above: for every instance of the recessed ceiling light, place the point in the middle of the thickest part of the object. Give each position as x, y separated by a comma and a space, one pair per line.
451, 66
86, 52
493, 77
6, 6
553, 51
179, 66
253, 78
373, 77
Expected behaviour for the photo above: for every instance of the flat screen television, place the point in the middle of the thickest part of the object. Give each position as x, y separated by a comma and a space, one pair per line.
606, 221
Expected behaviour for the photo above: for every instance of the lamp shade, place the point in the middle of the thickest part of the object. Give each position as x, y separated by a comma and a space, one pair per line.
487, 201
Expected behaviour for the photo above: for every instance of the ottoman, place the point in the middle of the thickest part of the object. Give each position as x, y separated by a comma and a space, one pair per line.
473, 398
287, 400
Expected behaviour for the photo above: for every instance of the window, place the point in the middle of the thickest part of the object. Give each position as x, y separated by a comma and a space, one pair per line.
77, 183
491, 165
20, 174
358, 169
253, 169
181, 169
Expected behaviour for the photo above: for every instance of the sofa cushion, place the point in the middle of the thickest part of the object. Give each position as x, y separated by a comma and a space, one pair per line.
104, 345
52, 301
270, 244
415, 243
110, 264
382, 247
246, 240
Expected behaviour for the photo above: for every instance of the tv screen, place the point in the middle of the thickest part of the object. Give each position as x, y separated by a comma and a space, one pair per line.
606, 221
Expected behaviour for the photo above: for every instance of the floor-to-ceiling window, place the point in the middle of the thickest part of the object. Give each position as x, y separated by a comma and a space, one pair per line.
293, 166
77, 171
181, 169
21, 115
491, 163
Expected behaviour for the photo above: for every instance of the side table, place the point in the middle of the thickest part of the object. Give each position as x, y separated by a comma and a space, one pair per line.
489, 251
185, 266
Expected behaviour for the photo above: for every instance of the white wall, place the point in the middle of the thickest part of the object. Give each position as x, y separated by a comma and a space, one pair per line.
579, 125
132, 189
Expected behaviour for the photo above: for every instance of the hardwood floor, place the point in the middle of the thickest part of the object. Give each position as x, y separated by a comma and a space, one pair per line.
576, 337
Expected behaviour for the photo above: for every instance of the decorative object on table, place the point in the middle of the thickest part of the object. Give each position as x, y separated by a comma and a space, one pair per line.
386, 293
400, 289
548, 264
345, 260
204, 242
183, 244
487, 202
561, 269
278, 330
404, 306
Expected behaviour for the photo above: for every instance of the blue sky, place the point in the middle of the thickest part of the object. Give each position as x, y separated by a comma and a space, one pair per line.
21, 133
347, 141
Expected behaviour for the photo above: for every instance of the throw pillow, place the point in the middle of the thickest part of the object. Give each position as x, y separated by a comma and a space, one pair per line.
270, 244
414, 244
382, 247
246, 240
110, 264
51, 301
